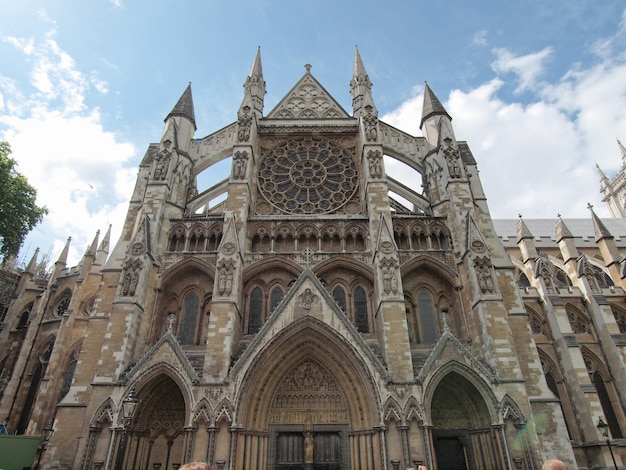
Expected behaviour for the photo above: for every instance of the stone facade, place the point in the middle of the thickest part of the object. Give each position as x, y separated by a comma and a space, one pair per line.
322, 314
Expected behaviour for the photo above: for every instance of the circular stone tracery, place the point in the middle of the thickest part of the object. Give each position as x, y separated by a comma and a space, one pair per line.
308, 176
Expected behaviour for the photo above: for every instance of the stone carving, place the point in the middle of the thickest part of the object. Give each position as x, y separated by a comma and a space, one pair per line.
130, 276
482, 267
390, 279
370, 123
226, 275
308, 394
375, 162
544, 271
240, 165
245, 122
307, 299
137, 248
453, 158
162, 161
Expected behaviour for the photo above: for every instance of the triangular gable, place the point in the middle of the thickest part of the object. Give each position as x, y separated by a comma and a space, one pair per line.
308, 99
307, 298
168, 350
448, 340
474, 240
385, 242
229, 245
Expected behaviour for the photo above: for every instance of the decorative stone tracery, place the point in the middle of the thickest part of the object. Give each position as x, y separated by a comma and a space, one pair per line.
308, 175
308, 393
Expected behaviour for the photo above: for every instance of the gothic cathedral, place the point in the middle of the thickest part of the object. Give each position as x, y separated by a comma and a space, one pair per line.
311, 312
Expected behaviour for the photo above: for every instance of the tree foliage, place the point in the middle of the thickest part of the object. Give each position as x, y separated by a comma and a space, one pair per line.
19, 212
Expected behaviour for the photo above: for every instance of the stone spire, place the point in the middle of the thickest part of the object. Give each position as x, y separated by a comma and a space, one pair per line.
103, 250
622, 151
62, 260
32, 265
361, 87
523, 232
562, 230
91, 251
599, 229
436, 122
184, 107
432, 106
254, 88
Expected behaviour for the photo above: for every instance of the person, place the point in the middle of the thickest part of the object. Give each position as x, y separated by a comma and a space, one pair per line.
196, 466
553, 464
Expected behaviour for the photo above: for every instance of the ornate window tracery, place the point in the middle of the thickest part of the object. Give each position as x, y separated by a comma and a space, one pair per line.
308, 175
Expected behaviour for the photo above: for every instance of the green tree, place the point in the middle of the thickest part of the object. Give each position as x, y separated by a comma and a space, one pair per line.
18, 211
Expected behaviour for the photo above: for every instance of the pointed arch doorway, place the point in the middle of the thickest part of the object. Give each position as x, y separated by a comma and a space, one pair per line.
462, 435
157, 432
308, 405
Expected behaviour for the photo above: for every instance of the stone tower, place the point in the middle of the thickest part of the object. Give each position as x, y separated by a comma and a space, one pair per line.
307, 311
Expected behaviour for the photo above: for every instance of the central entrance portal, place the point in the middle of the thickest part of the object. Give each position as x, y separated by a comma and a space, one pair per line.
309, 450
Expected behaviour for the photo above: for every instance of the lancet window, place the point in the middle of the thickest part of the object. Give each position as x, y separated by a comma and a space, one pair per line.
360, 310
189, 321
255, 311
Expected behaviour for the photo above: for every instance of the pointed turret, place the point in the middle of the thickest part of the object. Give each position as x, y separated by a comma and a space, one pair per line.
599, 229
604, 181
91, 251
62, 260
103, 250
565, 239
622, 151
606, 244
523, 232
437, 120
361, 88
180, 123
562, 230
184, 107
32, 265
254, 88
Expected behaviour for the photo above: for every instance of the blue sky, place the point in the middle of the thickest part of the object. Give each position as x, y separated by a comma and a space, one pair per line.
538, 89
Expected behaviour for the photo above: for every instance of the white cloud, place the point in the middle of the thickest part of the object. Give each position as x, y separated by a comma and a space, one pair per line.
538, 158
479, 38
527, 67
78, 167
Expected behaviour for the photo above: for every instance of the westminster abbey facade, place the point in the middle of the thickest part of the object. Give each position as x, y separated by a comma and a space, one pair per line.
310, 312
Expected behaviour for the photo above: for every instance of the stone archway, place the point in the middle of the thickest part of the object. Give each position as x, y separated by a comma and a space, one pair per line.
157, 432
462, 434
308, 404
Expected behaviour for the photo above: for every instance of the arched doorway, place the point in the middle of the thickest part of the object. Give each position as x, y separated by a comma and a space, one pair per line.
308, 404
462, 434
156, 436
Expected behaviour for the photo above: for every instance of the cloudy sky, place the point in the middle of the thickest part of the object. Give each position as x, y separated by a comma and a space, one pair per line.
538, 89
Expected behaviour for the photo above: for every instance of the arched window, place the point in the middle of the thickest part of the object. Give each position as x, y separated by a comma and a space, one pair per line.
68, 376
255, 311
187, 329
275, 297
23, 323
360, 310
63, 304
339, 295
607, 406
620, 319
427, 318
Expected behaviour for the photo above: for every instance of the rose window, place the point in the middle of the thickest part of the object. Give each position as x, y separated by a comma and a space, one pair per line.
308, 176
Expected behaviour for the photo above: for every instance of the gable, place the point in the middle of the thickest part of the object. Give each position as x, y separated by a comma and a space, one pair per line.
308, 100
